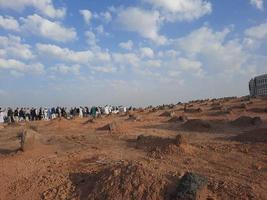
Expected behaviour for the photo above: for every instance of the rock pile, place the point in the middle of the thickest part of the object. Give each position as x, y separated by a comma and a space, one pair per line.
192, 187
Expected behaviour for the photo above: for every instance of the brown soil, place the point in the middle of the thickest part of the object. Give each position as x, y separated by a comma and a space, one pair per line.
80, 159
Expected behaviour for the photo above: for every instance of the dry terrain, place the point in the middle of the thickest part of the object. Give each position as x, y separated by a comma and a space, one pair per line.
142, 154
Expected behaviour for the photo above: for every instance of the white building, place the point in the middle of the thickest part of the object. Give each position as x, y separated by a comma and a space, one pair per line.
258, 86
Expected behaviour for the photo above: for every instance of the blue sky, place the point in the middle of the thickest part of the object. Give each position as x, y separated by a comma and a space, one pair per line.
139, 52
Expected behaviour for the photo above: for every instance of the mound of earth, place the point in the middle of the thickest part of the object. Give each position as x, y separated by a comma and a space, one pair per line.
215, 104
89, 121
197, 125
239, 106
182, 118
216, 107
245, 121
257, 135
219, 113
167, 114
258, 110
134, 117
128, 180
157, 147
59, 122
193, 110
113, 128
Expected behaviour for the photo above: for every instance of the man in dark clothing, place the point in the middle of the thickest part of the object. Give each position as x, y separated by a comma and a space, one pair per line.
21, 115
16, 115
10, 115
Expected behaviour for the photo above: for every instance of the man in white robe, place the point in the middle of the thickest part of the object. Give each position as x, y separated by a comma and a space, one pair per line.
2, 116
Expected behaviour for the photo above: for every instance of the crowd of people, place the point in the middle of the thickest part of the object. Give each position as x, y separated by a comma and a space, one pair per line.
10, 115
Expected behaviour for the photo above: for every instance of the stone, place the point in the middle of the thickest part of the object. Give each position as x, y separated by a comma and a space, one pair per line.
192, 187
180, 139
28, 138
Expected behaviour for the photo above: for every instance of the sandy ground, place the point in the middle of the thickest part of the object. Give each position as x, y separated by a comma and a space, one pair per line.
69, 154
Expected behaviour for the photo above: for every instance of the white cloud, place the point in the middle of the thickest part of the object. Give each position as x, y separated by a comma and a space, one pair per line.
40, 26
86, 58
146, 52
91, 38
106, 69
102, 56
12, 64
65, 54
190, 65
153, 63
87, 15
12, 46
104, 16
203, 39
257, 32
144, 22
16, 65
187, 64
100, 29
126, 45
258, 4
9, 23
45, 7
213, 50
182, 10
36, 68
64, 69
126, 59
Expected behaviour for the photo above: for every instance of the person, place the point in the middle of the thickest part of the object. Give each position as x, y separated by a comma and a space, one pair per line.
81, 112
93, 111
16, 115
21, 115
53, 113
2, 116
27, 114
45, 114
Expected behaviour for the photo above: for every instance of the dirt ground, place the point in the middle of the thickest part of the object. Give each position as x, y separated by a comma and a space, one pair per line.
137, 156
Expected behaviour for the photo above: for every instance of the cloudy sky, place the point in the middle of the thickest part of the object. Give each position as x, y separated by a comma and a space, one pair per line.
139, 52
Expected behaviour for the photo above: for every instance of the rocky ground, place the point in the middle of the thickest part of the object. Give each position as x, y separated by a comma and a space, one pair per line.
213, 149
